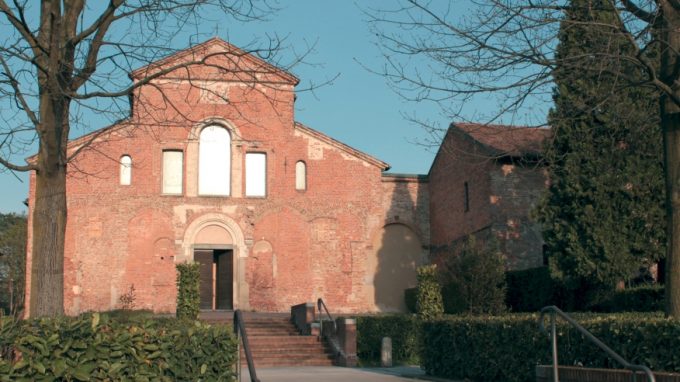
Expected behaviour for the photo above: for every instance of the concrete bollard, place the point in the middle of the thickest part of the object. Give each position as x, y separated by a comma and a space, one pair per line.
386, 352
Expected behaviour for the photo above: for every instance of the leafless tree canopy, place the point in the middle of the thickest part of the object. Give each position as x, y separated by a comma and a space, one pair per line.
99, 44
501, 51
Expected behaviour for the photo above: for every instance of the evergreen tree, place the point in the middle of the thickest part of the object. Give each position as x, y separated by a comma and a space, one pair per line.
603, 215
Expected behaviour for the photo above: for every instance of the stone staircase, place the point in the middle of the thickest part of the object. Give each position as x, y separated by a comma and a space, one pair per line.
274, 341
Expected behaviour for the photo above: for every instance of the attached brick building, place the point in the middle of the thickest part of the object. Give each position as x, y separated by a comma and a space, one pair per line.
212, 167
484, 181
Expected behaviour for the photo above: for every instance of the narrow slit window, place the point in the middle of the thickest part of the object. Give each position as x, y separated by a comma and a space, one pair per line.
300, 176
256, 174
466, 197
125, 170
173, 167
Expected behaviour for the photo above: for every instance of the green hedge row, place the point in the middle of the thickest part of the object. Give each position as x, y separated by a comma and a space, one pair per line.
403, 329
94, 347
507, 348
531, 289
639, 299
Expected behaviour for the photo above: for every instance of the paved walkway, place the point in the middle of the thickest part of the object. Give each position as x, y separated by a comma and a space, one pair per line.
338, 374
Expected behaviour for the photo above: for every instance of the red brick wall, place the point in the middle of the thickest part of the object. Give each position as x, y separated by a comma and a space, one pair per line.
515, 190
459, 160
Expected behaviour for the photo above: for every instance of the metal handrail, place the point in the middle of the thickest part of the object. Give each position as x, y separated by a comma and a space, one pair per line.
320, 304
240, 331
553, 310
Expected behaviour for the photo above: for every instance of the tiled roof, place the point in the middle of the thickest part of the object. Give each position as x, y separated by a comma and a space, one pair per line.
504, 140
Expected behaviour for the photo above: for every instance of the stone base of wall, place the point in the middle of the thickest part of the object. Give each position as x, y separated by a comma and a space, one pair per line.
586, 374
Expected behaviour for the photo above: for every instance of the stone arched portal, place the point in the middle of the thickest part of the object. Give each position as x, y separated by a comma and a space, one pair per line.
216, 242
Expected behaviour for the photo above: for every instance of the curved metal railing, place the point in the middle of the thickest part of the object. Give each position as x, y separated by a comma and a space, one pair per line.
319, 305
240, 331
555, 311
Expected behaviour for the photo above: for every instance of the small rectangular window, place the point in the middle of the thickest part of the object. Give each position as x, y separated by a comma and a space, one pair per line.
256, 174
173, 167
466, 197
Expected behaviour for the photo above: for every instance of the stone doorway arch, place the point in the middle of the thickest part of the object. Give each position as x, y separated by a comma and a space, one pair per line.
220, 234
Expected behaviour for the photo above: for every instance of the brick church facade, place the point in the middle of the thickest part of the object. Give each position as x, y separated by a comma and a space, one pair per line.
212, 167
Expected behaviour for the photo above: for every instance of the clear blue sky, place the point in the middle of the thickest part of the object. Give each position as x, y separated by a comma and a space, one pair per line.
358, 108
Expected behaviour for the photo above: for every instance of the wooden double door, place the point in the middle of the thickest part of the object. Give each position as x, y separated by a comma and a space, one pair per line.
217, 278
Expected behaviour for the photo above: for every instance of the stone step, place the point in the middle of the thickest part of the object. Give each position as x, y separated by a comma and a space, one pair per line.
283, 339
273, 331
288, 349
290, 361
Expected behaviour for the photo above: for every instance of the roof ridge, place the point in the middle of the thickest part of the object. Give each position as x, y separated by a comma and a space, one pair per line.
345, 147
229, 48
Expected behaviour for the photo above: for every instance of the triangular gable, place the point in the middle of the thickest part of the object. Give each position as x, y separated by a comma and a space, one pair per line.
213, 48
341, 146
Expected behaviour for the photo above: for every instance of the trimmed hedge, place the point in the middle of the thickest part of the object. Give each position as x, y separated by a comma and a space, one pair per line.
94, 347
429, 303
638, 299
403, 329
410, 297
188, 290
507, 348
450, 298
530, 290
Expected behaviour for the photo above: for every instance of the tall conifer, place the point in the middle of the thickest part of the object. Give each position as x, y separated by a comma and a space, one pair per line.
603, 215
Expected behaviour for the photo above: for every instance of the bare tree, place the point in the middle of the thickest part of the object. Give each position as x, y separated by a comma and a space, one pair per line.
62, 59
505, 49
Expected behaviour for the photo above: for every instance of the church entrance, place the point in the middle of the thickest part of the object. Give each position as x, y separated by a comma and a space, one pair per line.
216, 278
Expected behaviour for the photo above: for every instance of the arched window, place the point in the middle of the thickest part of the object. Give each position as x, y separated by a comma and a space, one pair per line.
214, 161
125, 170
300, 176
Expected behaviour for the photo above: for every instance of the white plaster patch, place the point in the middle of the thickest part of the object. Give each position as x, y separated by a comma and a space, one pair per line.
316, 148
180, 211
507, 169
214, 93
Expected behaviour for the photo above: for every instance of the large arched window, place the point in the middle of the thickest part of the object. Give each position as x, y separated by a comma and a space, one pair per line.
125, 170
214, 161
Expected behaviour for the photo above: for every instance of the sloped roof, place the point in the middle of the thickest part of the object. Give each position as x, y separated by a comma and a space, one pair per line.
337, 144
505, 140
497, 141
198, 52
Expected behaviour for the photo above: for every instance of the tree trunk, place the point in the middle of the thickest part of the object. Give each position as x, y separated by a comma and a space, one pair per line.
671, 133
49, 230
668, 27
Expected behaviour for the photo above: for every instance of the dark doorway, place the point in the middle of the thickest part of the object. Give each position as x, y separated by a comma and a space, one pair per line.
216, 278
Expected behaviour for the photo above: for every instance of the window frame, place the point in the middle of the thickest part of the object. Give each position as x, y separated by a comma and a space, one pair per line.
121, 167
466, 197
304, 179
245, 174
182, 170
203, 170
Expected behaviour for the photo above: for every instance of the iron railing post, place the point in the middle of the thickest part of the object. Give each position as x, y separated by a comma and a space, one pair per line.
240, 328
553, 340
